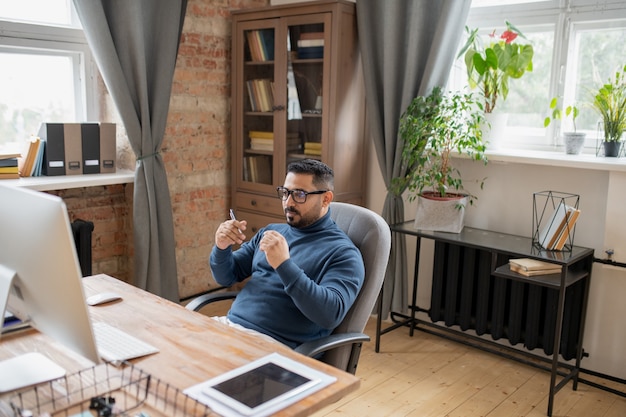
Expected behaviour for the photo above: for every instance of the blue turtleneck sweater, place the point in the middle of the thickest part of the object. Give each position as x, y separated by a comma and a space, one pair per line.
307, 296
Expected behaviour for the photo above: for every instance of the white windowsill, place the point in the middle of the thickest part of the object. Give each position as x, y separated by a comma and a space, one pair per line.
63, 182
556, 159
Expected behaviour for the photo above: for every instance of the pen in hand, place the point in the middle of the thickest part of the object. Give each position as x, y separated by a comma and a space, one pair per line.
232, 217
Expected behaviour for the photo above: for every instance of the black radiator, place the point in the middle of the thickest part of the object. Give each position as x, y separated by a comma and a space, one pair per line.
82, 230
465, 294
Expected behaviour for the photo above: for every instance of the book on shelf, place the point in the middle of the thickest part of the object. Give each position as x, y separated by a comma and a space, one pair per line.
261, 94
9, 170
261, 134
258, 168
261, 44
9, 176
559, 227
550, 230
311, 52
9, 167
27, 163
261, 144
564, 234
533, 267
303, 43
9, 162
9, 155
311, 35
313, 148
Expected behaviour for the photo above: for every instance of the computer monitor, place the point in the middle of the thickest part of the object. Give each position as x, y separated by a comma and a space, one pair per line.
40, 276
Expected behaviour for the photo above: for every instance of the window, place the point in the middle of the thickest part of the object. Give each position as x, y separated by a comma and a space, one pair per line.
46, 69
578, 45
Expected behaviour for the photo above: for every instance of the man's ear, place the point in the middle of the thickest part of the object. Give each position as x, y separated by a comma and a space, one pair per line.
328, 197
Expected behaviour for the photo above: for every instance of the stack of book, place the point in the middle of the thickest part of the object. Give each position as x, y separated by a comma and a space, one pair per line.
313, 148
311, 45
30, 165
261, 93
261, 140
532, 267
264, 141
261, 44
8, 166
559, 227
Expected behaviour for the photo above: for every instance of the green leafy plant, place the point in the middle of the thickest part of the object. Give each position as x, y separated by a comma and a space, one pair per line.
610, 103
432, 128
490, 67
557, 113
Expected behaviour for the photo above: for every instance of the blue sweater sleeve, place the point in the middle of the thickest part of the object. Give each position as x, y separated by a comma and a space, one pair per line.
327, 299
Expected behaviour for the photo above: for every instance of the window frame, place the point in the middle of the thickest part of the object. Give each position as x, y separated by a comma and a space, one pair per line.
566, 16
39, 39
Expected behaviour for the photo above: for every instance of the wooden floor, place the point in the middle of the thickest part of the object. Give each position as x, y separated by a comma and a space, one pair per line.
426, 375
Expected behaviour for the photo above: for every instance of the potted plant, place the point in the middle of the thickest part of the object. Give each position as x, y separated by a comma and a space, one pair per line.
573, 140
610, 103
490, 67
432, 129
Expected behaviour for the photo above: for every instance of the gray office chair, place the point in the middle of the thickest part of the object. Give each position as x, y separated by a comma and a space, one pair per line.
371, 234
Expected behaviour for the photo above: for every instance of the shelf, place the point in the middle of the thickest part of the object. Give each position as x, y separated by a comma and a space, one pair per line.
551, 280
64, 182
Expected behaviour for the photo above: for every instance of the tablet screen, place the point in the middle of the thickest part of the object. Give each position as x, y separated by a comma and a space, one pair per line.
260, 387
261, 384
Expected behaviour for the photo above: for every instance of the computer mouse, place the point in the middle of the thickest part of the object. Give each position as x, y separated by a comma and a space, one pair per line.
102, 298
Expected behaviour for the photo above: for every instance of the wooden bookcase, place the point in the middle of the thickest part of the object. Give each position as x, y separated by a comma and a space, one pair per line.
297, 79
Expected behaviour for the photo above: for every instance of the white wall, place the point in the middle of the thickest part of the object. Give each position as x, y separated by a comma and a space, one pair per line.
506, 204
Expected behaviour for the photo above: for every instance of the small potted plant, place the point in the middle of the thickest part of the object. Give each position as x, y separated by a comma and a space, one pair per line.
610, 103
573, 140
432, 129
490, 68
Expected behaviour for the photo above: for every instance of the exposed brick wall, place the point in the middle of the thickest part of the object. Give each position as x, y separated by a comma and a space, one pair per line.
109, 208
197, 137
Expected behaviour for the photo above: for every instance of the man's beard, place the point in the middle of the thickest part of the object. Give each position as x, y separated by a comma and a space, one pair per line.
291, 213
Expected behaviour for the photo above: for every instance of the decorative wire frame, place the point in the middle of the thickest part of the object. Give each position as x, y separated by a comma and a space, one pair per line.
127, 391
545, 203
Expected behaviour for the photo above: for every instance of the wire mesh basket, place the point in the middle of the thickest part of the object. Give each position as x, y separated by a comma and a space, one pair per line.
104, 390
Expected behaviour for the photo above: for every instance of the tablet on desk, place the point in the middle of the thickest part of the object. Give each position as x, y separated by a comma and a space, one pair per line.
261, 387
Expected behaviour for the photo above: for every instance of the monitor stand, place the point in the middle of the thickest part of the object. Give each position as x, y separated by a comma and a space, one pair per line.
27, 369
6, 280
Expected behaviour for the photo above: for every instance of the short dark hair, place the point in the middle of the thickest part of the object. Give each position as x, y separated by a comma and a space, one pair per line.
323, 175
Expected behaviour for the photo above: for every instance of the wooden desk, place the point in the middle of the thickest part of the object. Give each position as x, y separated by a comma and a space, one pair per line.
193, 347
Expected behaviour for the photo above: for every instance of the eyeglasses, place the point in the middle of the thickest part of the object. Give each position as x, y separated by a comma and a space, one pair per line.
299, 196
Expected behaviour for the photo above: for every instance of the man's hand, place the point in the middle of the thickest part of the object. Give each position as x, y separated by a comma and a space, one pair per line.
275, 247
229, 233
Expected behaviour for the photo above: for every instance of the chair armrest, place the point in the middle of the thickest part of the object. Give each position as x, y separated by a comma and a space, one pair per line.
315, 347
197, 303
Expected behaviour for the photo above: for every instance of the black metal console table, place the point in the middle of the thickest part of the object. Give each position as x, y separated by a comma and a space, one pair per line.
474, 289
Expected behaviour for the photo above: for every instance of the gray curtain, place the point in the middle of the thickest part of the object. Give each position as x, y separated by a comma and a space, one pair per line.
407, 47
135, 44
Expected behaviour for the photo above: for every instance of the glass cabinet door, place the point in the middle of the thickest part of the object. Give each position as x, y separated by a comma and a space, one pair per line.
259, 100
306, 43
281, 95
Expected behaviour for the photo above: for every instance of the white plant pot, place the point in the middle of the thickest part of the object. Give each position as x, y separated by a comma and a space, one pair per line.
574, 142
493, 129
441, 215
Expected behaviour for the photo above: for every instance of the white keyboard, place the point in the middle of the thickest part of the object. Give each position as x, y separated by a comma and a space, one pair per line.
115, 345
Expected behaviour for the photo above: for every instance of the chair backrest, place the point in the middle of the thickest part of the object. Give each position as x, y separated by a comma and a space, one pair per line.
370, 233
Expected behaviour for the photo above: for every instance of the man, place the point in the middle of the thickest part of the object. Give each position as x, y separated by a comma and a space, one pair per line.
305, 274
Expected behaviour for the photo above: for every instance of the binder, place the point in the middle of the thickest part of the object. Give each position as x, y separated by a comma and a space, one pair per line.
54, 150
107, 147
91, 147
73, 148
